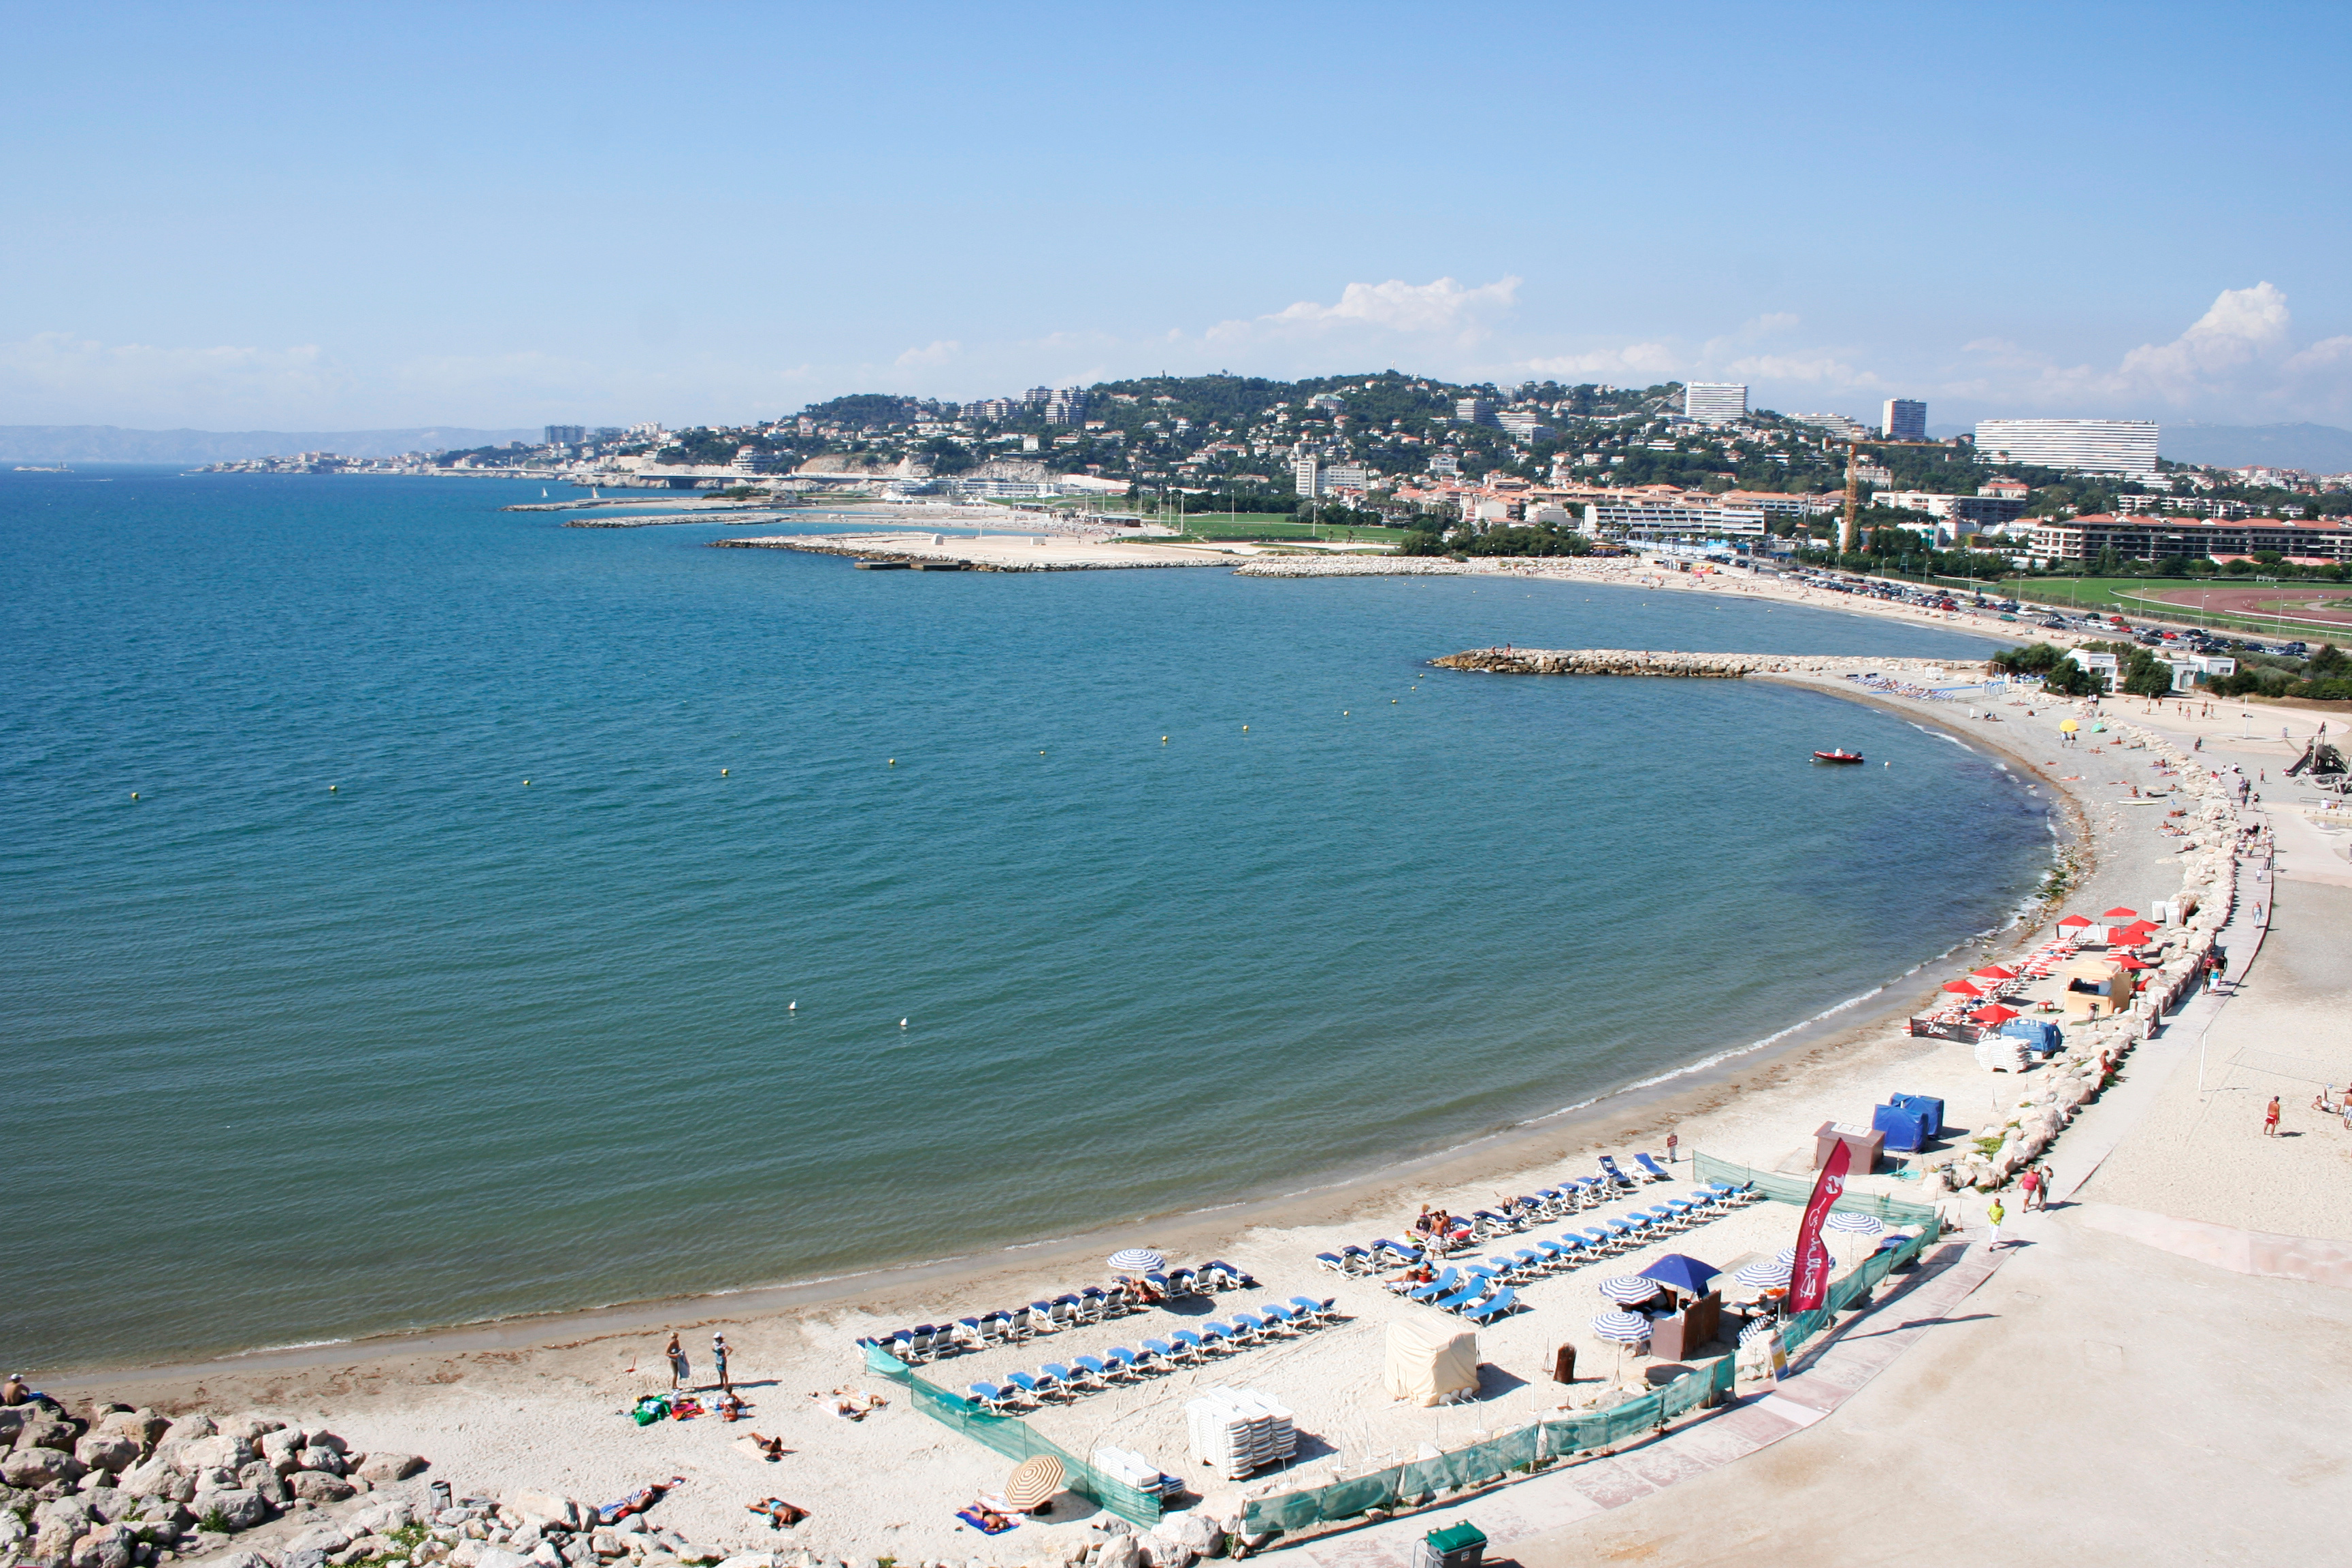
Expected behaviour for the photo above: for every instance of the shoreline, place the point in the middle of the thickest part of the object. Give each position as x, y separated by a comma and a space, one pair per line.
1498, 1154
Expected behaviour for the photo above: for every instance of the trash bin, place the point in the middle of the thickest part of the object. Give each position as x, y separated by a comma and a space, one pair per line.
1460, 1545
1563, 1365
441, 1498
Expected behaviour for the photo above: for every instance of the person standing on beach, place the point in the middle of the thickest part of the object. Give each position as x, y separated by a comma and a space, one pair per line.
2269, 1119
1993, 1217
719, 1355
679, 1371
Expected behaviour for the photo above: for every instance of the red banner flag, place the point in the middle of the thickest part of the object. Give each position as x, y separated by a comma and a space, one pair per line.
1809, 1283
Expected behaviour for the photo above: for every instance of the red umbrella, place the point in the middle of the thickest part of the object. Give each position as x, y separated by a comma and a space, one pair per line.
1996, 1014
2135, 933
2119, 913
1963, 987
2075, 922
1995, 972
2129, 962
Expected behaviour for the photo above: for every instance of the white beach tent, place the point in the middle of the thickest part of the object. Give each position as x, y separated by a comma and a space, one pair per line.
1429, 1361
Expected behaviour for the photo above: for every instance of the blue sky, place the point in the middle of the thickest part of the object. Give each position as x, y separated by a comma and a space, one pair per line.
323, 217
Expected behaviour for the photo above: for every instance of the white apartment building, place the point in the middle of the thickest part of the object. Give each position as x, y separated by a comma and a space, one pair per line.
1715, 402
1347, 476
1663, 519
1524, 423
2083, 446
1307, 472
1837, 425
1904, 419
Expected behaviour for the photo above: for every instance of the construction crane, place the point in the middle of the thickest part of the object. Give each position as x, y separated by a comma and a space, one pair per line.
1848, 535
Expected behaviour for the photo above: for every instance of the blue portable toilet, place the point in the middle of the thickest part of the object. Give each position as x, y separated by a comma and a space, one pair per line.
1932, 1109
1906, 1126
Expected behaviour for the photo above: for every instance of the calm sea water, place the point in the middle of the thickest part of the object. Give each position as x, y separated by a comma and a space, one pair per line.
286, 1063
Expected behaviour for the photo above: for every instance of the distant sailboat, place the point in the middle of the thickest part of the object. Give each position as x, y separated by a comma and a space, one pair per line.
542, 492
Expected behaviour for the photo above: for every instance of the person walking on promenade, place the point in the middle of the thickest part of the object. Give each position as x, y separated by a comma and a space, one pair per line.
719, 1355
679, 1371
1993, 1217
2029, 1182
2269, 1119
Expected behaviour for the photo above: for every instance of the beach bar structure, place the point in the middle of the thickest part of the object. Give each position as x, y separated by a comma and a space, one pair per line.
1864, 1144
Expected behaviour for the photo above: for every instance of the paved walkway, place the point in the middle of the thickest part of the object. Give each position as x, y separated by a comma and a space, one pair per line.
1824, 1377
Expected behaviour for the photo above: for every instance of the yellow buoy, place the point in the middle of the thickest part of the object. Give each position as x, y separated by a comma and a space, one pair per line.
1244, 728
525, 784
332, 788
722, 773
894, 762
1163, 739
134, 795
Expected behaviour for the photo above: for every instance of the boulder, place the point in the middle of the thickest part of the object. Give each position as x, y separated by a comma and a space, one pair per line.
108, 1451
384, 1516
317, 1457
247, 1559
279, 1447
188, 1426
239, 1508
39, 1466
545, 1508
546, 1554
318, 1486
217, 1452
312, 1547
608, 1544
108, 1546
499, 1557
387, 1466
1120, 1552
144, 1427
750, 1560
46, 1431
327, 1440
13, 1532
1192, 1528
268, 1483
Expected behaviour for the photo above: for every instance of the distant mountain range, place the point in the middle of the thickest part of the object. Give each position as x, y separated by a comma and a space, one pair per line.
113, 444
2322, 448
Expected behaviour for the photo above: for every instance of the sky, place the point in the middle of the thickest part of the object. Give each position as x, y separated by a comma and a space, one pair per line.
317, 217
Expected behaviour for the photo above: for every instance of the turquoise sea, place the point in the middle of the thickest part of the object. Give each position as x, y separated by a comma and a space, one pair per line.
287, 1063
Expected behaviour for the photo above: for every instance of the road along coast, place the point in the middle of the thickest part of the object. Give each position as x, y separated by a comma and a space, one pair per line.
540, 1405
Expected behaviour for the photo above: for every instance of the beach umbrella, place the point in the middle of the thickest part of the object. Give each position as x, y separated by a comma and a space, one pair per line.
2120, 913
1622, 1328
1995, 1014
1786, 1255
2068, 725
1994, 971
1629, 1289
1962, 988
2129, 962
1136, 1260
2074, 923
1034, 1482
1765, 1275
1680, 1271
1852, 1222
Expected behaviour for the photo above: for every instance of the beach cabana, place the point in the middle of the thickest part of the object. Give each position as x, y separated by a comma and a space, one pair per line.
1430, 1361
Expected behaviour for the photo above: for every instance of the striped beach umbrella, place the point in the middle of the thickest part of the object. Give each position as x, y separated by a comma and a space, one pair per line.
1853, 1223
1136, 1260
1765, 1275
1622, 1328
1786, 1255
1034, 1482
1628, 1289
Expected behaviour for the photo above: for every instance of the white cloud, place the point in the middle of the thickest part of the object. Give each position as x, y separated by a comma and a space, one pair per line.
1816, 369
1634, 359
2244, 327
1444, 307
57, 378
939, 351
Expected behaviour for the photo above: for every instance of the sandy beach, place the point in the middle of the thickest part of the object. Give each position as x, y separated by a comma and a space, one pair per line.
542, 1404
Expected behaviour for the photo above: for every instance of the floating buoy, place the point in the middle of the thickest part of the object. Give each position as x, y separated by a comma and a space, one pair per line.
722, 773
1244, 728
134, 795
332, 788
1394, 700
894, 762
1343, 712
1887, 764
525, 784
1163, 739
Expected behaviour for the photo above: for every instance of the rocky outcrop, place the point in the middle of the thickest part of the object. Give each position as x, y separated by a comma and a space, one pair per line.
1701, 665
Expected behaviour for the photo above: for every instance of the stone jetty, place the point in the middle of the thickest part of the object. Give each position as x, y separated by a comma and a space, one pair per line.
1709, 666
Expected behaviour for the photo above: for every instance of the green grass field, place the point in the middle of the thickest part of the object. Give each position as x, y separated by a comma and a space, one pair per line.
2135, 599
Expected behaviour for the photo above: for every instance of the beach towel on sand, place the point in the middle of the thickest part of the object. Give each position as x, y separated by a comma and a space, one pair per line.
971, 1516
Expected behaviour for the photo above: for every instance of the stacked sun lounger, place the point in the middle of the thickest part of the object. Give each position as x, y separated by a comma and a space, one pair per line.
1091, 1304
1239, 1431
1133, 1469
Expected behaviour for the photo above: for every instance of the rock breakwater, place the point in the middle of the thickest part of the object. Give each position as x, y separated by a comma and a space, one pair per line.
1703, 665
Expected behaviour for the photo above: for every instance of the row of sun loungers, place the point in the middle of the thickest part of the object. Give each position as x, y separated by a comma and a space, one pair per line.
1095, 1304
1186, 1347
1607, 1235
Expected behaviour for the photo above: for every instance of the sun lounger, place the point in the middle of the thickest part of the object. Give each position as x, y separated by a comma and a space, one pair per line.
1502, 1302
1333, 1262
1187, 1346
1652, 1169
1017, 1325
1091, 1371
1216, 1336
1358, 1261
1119, 1362
974, 1518
1611, 1176
989, 1397
1275, 1315
1317, 1312
1054, 1377
1031, 1388
1182, 1282
1396, 1249
1157, 1355
1444, 1283
1241, 1278
1462, 1298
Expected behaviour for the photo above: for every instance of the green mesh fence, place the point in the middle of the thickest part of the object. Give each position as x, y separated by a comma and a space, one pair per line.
1012, 1438
1480, 1463
1796, 1189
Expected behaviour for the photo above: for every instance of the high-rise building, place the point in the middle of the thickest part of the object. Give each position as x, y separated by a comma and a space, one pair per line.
566, 435
1067, 406
2086, 445
1715, 402
1307, 472
1524, 423
1904, 419
1474, 411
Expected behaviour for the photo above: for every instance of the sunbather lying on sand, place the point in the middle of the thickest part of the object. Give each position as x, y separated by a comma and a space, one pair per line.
769, 1449
985, 1520
779, 1513
850, 1404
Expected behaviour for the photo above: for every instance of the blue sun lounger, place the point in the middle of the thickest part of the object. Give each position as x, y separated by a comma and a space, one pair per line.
1503, 1301
1652, 1169
1462, 1298
1437, 1287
